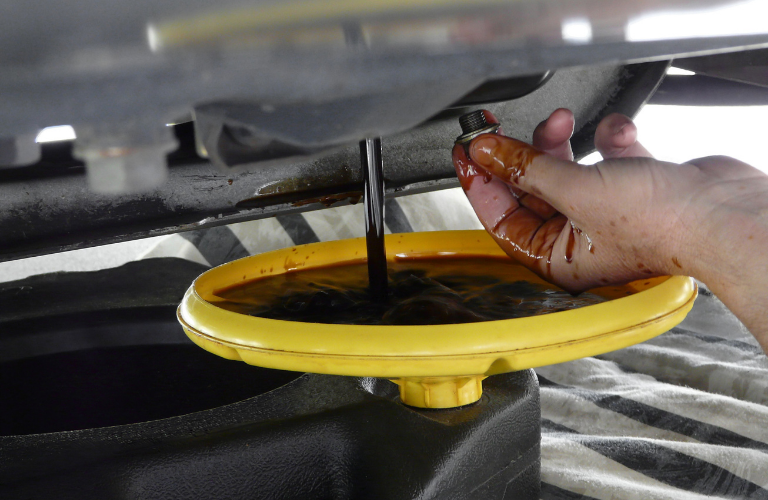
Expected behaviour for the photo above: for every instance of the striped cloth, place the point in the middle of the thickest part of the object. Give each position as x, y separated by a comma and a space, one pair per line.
682, 416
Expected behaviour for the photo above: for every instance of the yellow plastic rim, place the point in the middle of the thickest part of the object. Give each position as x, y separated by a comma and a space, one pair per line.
424, 354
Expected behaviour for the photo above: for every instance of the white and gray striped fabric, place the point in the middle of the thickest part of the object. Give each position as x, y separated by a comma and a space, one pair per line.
682, 416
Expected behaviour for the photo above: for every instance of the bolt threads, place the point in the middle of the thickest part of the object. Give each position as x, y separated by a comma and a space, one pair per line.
472, 122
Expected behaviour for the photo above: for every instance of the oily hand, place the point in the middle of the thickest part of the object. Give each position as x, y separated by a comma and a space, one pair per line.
576, 226
625, 218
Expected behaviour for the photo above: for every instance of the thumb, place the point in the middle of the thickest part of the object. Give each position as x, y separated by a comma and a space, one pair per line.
519, 164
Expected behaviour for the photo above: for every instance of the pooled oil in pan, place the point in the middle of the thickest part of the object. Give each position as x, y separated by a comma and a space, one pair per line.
421, 292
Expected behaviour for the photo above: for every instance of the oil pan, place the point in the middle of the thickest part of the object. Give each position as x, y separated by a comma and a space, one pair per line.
435, 366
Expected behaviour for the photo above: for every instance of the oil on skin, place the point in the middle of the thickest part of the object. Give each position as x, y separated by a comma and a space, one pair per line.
529, 229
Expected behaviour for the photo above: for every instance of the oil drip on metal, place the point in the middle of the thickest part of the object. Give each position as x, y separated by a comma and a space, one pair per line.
441, 290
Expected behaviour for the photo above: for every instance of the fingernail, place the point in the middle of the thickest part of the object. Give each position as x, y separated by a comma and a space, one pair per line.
482, 151
619, 130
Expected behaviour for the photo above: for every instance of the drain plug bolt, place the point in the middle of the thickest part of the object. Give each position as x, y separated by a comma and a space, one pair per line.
474, 124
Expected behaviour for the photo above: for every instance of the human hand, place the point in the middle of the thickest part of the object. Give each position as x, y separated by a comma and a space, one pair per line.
551, 219
625, 218
639, 214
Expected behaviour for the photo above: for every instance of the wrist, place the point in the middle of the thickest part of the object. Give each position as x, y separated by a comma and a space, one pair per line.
727, 253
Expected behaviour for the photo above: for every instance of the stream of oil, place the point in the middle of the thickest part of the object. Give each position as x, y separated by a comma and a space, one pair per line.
373, 204
423, 291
